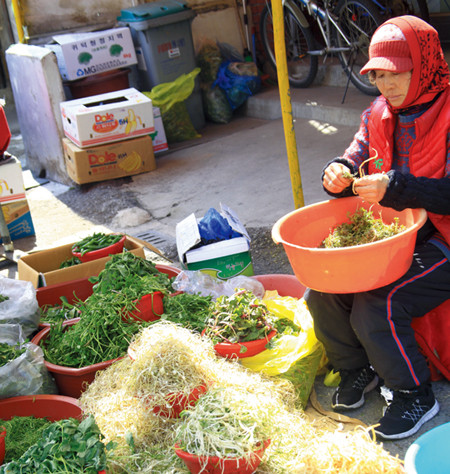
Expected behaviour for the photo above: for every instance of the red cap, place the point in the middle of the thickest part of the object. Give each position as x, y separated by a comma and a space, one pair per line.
388, 51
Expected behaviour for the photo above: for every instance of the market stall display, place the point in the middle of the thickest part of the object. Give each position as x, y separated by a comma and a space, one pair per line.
147, 441
104, 319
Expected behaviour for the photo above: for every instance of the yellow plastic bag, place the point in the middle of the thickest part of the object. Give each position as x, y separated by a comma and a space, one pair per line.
170, 97
296, 358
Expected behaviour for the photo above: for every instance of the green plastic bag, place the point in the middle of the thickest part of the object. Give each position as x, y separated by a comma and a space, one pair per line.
170, 97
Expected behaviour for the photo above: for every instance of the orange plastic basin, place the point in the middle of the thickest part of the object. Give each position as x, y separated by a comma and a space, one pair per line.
350, 269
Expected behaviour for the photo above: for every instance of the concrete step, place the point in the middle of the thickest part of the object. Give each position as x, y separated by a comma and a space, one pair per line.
318, 102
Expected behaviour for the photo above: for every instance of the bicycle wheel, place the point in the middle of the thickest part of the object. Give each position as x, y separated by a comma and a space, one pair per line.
357, 21
302, 68
393, 8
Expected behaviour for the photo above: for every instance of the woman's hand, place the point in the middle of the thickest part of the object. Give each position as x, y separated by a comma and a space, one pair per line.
372, 188
333, 179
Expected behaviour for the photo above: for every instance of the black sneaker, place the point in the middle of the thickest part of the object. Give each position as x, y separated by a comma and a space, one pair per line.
407, 412
354, 384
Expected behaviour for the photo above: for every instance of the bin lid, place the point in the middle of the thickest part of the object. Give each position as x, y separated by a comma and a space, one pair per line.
148, 11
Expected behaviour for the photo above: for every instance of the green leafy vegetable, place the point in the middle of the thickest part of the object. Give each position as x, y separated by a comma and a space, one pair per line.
66, 446
104, 331
191, 311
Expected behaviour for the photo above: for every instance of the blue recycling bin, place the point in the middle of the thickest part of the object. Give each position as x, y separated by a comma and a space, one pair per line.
162, 37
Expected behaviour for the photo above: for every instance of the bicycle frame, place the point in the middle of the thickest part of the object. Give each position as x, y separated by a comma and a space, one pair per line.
324, 19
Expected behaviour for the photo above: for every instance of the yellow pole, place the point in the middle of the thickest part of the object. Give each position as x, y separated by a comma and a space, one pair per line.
18, 17
286, 105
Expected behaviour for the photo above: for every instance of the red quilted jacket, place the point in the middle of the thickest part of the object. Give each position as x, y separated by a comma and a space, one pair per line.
428, 157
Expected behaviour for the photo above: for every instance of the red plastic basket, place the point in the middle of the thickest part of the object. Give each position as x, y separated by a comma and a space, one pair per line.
104, 252
233, 351
215, 465
148, 308
177, 402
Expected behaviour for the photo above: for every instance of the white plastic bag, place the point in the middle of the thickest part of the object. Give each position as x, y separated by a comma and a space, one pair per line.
27, 375
11, 334
22, 306
195, 282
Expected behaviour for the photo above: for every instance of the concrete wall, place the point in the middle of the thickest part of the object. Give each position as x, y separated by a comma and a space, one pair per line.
217, 19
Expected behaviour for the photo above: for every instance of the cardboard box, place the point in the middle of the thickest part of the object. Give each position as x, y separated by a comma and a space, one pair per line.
159, 135
42, 268
106, 118
115, 160
85, 54
222, 260
13, 201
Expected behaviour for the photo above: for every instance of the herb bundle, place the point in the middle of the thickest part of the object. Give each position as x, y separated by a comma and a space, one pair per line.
362, 228
66, 446
9, 353
21, 433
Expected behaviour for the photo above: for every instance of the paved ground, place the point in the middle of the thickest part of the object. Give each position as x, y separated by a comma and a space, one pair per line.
243, 165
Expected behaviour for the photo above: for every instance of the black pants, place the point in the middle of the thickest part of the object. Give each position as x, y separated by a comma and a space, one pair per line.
375, 326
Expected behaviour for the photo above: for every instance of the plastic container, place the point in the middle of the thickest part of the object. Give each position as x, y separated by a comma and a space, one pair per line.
162, 36
429, 453
53, 407
51, 295
351, 269
108, 81
232, 351
148, 308
286, 285
216, 465
71, 382
177, 402
104, 252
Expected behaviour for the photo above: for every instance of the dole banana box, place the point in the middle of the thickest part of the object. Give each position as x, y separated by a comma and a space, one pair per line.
13, 200
106, 118
114, 160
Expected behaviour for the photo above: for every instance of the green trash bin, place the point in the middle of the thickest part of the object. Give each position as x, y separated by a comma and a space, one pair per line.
162, 37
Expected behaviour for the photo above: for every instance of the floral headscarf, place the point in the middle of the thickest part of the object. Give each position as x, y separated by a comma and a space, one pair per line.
430, 74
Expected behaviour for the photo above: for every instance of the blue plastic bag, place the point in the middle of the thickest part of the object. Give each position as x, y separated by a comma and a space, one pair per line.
214, 228
239, 81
